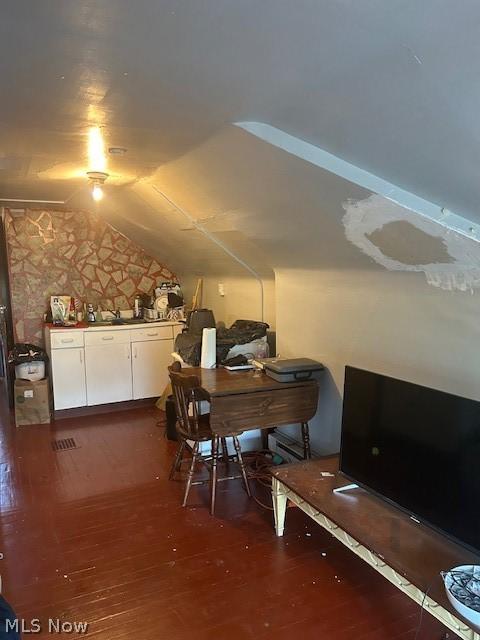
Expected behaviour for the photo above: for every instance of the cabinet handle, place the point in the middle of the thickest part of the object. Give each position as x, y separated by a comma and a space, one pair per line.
152, 335
81, 357
135, 352
107, 337
66, 341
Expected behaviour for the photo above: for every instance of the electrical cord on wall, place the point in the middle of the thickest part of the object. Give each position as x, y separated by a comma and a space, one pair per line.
200, 227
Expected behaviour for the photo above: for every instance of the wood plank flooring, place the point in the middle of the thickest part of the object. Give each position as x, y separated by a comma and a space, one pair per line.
97, 534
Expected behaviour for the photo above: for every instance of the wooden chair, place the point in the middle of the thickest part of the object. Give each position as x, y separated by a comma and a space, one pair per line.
195, 427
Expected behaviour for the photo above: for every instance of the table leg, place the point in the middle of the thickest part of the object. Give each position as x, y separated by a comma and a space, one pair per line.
279, 499
264, 436
224, 450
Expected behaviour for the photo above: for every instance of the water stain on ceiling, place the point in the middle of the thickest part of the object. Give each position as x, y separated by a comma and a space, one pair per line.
402, 241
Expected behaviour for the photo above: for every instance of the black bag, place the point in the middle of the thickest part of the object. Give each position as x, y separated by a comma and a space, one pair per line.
26, 352
244, 331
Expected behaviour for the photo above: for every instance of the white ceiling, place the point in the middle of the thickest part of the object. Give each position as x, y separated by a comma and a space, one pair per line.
392, 87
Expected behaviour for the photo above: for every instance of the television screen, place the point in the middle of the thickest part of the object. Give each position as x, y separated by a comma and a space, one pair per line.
417, 447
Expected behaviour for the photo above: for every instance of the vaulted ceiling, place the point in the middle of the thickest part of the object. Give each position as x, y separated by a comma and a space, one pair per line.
392, 87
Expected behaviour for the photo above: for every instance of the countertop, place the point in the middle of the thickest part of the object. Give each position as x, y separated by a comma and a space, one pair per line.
84, 326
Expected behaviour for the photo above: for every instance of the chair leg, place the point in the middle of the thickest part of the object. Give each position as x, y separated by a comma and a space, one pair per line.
224, 450
307, 453
178, 460
213, 477
238, 449
190, 473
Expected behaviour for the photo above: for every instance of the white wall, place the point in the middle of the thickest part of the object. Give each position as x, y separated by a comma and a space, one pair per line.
392, 323
242, 299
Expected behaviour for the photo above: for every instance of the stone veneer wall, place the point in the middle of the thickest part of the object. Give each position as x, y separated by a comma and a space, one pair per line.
72, 253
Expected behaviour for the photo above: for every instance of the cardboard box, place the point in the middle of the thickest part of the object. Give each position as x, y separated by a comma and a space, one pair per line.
32, 402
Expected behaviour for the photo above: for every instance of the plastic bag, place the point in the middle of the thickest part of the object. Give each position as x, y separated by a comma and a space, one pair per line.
26, 352
243, 331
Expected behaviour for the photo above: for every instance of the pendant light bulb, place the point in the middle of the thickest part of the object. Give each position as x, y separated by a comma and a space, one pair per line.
97, 192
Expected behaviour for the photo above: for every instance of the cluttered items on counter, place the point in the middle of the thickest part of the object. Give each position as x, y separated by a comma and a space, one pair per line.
63, 310
169, 302
91, 317
165, 302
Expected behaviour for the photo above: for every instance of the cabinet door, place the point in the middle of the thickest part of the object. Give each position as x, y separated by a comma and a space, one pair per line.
109, 373
149, 365
68, 378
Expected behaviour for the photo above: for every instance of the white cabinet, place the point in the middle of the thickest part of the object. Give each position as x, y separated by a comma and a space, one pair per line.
101, 365
150, 360
68, 377
108, 373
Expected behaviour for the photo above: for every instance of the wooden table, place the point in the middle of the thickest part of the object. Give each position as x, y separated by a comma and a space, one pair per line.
246, 400
408, 554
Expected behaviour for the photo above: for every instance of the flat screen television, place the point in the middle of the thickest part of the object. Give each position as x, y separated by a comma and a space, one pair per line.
416, 447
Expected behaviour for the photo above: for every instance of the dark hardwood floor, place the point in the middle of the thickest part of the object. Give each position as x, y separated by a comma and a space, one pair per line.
97, 534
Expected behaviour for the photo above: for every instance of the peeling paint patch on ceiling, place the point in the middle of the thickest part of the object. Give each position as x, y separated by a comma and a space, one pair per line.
401, 240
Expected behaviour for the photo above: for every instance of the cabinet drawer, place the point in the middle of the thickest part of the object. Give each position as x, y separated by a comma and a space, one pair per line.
152, 333
96, 338
66, 339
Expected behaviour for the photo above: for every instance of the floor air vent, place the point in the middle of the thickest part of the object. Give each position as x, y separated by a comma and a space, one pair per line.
64, 444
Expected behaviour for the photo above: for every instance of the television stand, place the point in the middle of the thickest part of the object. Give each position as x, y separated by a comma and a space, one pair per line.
408, 554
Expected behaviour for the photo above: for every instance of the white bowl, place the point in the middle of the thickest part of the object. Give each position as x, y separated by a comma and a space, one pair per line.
470, 614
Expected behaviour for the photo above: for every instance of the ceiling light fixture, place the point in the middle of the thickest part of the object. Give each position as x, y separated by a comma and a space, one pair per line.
97, 193
97, 161
97, 178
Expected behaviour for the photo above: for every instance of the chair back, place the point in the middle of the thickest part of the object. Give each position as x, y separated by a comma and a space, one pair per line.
184, 387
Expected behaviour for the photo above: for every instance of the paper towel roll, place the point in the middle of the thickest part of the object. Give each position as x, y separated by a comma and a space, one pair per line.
209, 349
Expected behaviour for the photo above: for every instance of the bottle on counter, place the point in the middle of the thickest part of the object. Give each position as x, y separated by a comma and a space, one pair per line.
91, 313
71, 311
136, 308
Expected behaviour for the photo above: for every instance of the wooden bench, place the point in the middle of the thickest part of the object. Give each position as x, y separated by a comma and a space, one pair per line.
408, 554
